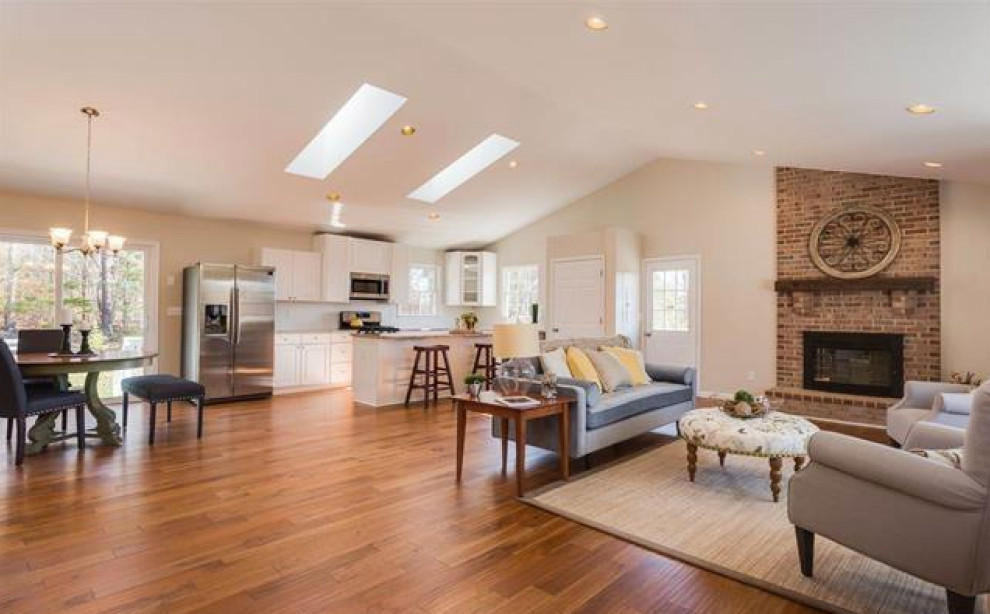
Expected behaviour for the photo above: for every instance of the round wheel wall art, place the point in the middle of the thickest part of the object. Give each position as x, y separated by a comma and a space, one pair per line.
855, 242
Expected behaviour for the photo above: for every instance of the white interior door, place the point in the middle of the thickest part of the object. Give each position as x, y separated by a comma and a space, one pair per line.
578, 298
672, 311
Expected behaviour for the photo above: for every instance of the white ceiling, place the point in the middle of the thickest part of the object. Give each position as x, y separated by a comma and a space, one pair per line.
205, 104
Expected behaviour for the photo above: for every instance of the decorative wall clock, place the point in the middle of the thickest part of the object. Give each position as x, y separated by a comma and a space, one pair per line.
855, 242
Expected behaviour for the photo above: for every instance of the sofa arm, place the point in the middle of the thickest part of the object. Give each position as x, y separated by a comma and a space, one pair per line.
933, 436
921, 395
897, 470
669, 373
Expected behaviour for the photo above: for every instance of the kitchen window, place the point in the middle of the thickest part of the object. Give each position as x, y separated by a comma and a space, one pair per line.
423, 294
520, 290
119, 294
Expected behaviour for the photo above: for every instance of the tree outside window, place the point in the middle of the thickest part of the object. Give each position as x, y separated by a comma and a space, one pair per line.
520, 290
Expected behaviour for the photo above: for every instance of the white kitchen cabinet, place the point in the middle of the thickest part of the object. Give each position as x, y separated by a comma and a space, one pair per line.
471, 279
334, 252
308, 360
297, 273
286, 370
314, 364
367, 256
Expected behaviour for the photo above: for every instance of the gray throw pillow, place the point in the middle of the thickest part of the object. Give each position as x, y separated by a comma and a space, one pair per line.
610, 371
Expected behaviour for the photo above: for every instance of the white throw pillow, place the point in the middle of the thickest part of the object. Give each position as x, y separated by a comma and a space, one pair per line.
555, 362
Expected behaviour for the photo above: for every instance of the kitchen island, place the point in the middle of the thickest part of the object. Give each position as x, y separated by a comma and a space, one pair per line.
382, 363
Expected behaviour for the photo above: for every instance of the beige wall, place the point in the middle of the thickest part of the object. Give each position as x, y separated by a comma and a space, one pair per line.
722, 212
965, 278
182, 241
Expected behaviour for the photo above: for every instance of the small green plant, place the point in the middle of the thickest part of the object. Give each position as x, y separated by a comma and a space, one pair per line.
470, 319
744, 397
474, 378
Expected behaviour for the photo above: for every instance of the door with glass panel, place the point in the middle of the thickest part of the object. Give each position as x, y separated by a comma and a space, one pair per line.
672, 309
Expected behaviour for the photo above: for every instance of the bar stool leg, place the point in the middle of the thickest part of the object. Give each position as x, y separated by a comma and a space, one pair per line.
412, 378
426, 379
446, 368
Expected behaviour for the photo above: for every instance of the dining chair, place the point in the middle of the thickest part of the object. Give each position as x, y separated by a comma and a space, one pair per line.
41, 340
18, 401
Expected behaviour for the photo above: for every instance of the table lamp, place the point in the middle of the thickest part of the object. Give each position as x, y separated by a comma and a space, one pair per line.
515, 342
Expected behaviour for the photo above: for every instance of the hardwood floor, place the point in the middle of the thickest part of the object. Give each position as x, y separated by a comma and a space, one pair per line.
308, 503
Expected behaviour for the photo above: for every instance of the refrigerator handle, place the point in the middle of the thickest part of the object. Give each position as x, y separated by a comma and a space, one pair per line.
235, 316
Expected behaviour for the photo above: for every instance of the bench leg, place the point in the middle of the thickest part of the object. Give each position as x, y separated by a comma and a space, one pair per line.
123, 410
168, 412
151, 424
199, 418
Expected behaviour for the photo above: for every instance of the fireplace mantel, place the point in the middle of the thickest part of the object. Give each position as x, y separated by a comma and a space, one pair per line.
878, 283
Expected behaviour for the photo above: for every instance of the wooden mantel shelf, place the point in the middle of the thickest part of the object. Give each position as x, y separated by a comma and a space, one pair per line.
830, 284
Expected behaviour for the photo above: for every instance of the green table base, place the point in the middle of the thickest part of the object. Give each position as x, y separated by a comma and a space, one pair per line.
43, 431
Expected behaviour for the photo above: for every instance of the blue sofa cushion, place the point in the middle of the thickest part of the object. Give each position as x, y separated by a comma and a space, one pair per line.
628, 402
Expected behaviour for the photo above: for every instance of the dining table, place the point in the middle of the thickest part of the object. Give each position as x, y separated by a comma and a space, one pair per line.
40, 364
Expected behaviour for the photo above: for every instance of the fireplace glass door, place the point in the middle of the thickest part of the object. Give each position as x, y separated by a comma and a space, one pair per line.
854, 363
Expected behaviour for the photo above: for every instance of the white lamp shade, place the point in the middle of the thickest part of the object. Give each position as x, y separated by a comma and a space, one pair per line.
97, 238
115, 243
516, 341
60, 236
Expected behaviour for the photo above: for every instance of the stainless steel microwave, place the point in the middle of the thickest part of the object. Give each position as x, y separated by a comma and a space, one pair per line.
369, 287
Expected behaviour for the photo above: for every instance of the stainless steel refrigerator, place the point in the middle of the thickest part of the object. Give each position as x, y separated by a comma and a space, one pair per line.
228, 329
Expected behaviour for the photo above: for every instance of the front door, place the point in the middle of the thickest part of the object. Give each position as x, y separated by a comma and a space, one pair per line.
578, 298
672, 310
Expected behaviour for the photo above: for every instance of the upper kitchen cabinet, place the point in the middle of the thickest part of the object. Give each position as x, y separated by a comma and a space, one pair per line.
336, 254
297, 273
369, 256
471, 279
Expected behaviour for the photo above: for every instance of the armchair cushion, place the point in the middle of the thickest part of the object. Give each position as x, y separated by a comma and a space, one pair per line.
897, 470
958, 403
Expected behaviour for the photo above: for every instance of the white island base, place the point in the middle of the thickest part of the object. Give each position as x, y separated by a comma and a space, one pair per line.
382, 364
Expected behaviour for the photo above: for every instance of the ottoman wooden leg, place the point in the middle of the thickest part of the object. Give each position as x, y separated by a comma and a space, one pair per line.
692, 458
798, 463
775, 474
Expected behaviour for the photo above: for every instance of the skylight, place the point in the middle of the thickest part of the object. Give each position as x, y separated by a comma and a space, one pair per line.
348, 129
483, 155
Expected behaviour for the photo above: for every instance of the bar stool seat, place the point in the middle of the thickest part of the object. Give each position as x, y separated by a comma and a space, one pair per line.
435, 376
484, 359
165, 388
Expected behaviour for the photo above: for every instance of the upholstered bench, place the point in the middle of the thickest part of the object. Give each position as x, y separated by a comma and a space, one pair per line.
160, 388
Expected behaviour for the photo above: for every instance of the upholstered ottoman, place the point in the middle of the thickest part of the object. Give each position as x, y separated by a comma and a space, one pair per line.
774, 436
160, 388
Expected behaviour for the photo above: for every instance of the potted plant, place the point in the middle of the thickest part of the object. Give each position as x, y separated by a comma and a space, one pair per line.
470, 320
474, 383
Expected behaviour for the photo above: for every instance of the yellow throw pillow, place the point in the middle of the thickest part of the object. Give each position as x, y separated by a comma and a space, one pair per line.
632, 360
581, 367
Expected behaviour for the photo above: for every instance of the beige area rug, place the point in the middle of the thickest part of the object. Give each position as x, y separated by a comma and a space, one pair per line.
726, 522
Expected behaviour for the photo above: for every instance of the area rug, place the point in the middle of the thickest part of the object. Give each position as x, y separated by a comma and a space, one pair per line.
726, 522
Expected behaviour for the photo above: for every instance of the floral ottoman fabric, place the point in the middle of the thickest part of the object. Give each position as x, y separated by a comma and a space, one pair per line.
773, 435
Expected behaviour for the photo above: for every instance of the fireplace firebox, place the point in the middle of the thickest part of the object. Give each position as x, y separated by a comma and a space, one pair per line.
870, 364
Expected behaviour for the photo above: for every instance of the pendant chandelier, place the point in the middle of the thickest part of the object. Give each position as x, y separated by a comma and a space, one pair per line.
92, 241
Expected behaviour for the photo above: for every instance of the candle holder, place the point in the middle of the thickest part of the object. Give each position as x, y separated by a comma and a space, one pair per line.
84, 349
66, 349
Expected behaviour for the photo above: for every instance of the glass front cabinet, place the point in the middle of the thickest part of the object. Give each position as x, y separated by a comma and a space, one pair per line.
471, 279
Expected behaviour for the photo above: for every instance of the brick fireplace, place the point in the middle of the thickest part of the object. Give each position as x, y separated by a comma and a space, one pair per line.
899, 303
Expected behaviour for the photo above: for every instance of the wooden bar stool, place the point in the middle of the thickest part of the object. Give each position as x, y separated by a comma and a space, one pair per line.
436, 376
484, 359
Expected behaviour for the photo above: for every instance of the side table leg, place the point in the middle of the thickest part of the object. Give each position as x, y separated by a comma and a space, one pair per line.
692, 457
504, 423
520, 454
461, 428
775, 474
563, 447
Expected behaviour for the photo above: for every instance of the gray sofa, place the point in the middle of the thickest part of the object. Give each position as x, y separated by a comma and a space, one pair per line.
600, 420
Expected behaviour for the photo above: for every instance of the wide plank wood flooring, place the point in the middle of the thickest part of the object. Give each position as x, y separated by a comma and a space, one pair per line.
309, 503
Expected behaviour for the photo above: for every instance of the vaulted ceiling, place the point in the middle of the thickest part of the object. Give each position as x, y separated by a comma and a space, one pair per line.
205, 104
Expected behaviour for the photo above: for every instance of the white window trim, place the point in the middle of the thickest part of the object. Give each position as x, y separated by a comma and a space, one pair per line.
503, 294
404, 303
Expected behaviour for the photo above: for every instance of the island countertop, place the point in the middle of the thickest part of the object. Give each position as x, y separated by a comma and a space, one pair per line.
403, 335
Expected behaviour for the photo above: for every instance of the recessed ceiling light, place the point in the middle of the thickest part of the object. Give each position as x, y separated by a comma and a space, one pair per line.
920, 109
595, 23
759, 152
434, 216
408, 130
359, 118
701, 106
513, 163
480, 157
933, 164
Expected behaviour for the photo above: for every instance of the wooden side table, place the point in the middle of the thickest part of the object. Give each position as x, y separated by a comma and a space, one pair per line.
547, 407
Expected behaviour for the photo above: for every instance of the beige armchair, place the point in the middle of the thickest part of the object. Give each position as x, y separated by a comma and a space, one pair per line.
927, 519
938, 402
